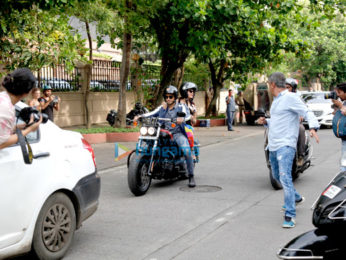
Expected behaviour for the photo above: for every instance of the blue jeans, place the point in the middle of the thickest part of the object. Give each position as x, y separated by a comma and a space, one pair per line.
184, 147
230, 117
281, 163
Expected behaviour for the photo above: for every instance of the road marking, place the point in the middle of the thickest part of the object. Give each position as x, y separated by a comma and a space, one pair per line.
229, 214
113, 169
220, 220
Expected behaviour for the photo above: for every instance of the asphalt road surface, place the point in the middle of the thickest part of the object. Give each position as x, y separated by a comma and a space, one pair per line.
233, 213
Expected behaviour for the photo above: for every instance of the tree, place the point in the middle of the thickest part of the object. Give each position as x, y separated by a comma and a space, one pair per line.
98, 13
45, 40
327, 58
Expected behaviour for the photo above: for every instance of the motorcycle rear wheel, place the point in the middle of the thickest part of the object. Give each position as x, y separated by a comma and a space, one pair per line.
276, 184
138, 179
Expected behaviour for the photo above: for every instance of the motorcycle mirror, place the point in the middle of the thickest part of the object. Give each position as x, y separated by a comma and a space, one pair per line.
25, 146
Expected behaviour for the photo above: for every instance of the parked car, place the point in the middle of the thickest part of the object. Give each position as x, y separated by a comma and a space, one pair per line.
57, 84
43, 203
321, 107
95, 85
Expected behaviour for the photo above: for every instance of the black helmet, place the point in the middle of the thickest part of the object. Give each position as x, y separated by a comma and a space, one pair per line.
293, 83
171, 90
185, 87
138, 105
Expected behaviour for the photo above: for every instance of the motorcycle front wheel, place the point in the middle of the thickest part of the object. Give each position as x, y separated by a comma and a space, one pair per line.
137, 176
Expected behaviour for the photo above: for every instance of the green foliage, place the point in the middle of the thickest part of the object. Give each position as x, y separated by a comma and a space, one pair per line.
197, 72
45, 40
107, 129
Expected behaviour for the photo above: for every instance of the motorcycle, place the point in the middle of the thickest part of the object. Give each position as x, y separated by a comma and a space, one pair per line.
157, 156
139, 109
329, 217
296, 170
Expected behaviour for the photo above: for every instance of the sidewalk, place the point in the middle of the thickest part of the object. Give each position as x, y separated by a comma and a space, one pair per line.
105, 153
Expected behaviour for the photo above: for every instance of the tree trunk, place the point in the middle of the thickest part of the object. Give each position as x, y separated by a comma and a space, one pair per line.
178, 77
88, 71
124, 73
217, 82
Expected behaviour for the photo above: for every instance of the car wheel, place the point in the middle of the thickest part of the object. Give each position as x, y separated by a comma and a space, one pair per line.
55, 227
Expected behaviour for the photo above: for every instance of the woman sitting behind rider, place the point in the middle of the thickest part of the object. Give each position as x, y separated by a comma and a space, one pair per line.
187, 94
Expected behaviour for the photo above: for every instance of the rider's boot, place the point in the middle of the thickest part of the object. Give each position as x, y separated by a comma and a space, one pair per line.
192, 182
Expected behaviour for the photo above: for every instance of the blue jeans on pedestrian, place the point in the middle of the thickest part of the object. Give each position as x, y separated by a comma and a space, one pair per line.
185, 149
281, 162
230, 117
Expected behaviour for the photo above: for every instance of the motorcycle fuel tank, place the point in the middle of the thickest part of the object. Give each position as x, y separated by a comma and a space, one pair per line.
315, 244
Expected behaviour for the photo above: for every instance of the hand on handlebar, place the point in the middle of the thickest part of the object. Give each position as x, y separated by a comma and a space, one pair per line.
261, 121
180, 120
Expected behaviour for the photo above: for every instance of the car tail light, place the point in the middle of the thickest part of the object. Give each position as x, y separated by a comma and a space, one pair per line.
87, 146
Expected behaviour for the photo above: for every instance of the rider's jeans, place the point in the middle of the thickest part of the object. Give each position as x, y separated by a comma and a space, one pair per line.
281, 163
184, 147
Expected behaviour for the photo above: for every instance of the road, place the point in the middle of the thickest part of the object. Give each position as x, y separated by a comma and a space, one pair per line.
233, 214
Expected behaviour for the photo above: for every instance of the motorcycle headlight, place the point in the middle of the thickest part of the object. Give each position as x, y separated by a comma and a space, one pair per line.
151, 130
143, 130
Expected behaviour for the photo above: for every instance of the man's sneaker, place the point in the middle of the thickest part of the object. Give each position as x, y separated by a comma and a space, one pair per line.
300, 161
289, 222
301, 201
298, 202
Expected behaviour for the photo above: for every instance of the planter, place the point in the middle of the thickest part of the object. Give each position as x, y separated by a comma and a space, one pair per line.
212, 122
111, 137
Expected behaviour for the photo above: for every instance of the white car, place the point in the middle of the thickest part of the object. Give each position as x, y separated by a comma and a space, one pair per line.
321, 107
43, 203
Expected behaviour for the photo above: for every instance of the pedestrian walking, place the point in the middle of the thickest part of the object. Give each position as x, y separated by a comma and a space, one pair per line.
283, 127
230, 111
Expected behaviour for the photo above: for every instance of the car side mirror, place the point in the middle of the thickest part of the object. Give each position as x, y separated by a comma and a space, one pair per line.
25, 146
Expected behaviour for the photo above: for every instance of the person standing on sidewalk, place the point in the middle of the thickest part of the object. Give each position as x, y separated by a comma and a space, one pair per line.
240, 102
283, 127
49, 102
230, 111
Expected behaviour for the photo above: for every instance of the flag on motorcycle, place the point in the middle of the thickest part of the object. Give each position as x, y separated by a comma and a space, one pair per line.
189, 134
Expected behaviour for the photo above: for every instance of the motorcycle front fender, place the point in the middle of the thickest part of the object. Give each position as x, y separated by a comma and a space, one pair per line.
314, 244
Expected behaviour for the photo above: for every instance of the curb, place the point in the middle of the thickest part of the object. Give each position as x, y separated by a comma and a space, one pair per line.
111, 137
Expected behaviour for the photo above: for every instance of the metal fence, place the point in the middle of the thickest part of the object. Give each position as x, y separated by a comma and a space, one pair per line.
59, 78
105, 77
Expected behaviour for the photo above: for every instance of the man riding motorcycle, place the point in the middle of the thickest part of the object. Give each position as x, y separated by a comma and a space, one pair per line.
291, 85
172, 110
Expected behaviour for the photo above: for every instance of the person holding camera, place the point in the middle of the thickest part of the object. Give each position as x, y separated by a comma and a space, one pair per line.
18, 85
49, 102
283, 127
341, 105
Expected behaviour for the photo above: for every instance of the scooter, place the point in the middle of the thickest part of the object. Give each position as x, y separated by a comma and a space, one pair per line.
329, 216
296, 170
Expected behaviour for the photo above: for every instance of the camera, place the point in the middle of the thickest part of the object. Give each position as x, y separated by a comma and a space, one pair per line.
26, 113
331, 95
55, 100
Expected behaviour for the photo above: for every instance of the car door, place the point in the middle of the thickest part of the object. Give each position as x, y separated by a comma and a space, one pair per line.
21, 186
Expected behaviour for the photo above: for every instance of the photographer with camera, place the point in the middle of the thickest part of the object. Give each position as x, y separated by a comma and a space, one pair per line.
18, 85
49, 101
340, 91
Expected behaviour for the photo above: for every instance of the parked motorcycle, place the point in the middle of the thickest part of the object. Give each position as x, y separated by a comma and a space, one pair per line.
296, 170
329, 216
139, 109
157, 156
